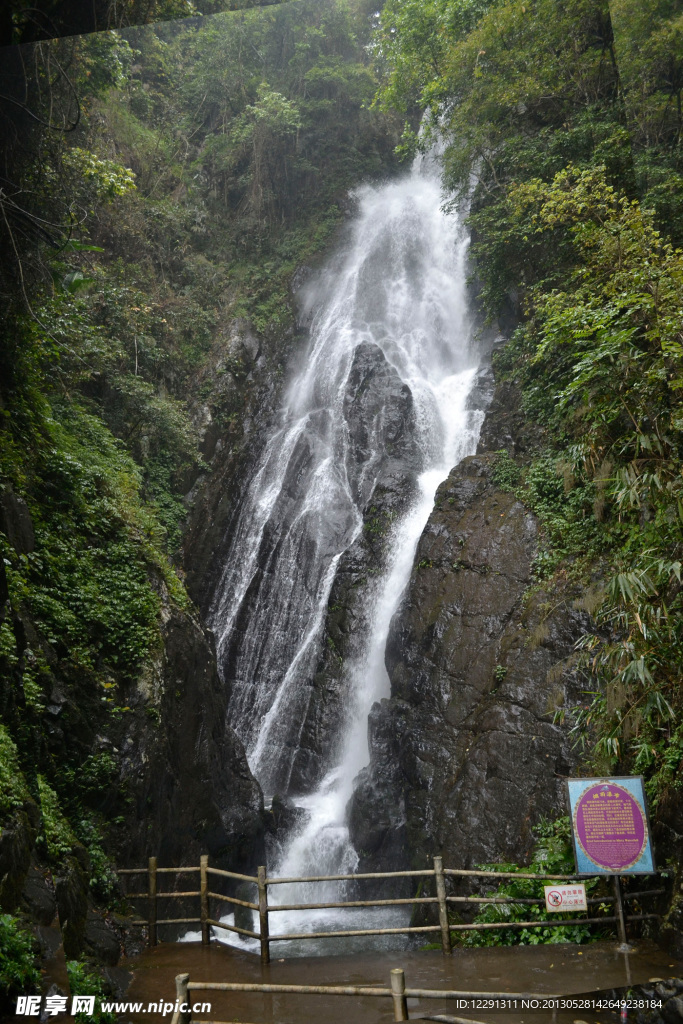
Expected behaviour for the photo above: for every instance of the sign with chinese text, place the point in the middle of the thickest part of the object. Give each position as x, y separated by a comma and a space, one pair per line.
559, 898
610, 826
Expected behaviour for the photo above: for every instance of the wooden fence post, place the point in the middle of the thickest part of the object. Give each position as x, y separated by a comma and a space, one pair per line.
204, 898
443, 905
152, 881
263, 914
398, 986
182, 997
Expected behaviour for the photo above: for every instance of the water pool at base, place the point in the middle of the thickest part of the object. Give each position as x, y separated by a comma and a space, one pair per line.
569, 969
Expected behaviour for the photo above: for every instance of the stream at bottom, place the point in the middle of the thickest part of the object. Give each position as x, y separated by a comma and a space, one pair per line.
568, 969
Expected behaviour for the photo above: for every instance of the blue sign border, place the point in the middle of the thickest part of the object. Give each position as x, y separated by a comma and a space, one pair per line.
633, 784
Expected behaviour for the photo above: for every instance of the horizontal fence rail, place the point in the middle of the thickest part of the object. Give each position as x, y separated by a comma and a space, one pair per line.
396, 991
261, 906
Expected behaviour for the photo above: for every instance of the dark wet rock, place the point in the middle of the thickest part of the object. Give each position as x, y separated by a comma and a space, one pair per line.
673, 1011
132, 938
181, 784
227, 376
53, 990
465, 757
300, 277
506, 426
15, 521
4, 592
86, 930
49, 939
482, 392
17, 842
379, 826
667, 831
234, 423
379, 411
284, 816
117, 980
669, 991
183, 768
38, 895
100, 940
282, 820
72, 891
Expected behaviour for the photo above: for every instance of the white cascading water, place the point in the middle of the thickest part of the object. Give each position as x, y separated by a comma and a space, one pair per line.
400, 285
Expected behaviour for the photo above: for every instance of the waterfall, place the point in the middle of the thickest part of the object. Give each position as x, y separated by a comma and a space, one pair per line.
398, 290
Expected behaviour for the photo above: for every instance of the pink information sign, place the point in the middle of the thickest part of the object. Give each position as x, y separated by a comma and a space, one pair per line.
610, 826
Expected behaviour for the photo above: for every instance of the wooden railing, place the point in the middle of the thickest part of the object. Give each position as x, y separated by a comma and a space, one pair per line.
441, 900
397, 991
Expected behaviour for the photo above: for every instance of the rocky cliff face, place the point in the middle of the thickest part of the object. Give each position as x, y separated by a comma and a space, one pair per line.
243, 377
465, 757
380, 415
183, 767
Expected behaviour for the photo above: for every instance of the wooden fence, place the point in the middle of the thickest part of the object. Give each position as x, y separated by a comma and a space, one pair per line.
441, 900
397, 991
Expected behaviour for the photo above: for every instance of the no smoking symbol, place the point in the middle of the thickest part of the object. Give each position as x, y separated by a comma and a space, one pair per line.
555, 898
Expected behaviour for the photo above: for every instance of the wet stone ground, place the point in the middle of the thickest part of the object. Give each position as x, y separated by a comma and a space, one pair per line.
546, 970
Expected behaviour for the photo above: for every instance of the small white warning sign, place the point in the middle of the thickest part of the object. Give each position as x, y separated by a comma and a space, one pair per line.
559, 898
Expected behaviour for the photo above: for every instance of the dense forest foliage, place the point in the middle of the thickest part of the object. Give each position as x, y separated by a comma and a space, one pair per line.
563, 124
164, 184
161, 188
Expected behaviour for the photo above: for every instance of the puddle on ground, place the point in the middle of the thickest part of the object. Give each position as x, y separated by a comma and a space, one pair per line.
566, 969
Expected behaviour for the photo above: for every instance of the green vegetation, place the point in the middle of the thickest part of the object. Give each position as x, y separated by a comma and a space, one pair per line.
19, 972
13, 790
506, 473
564, 498
57, 835
563, 122
552, 855
379, 522
84, 980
